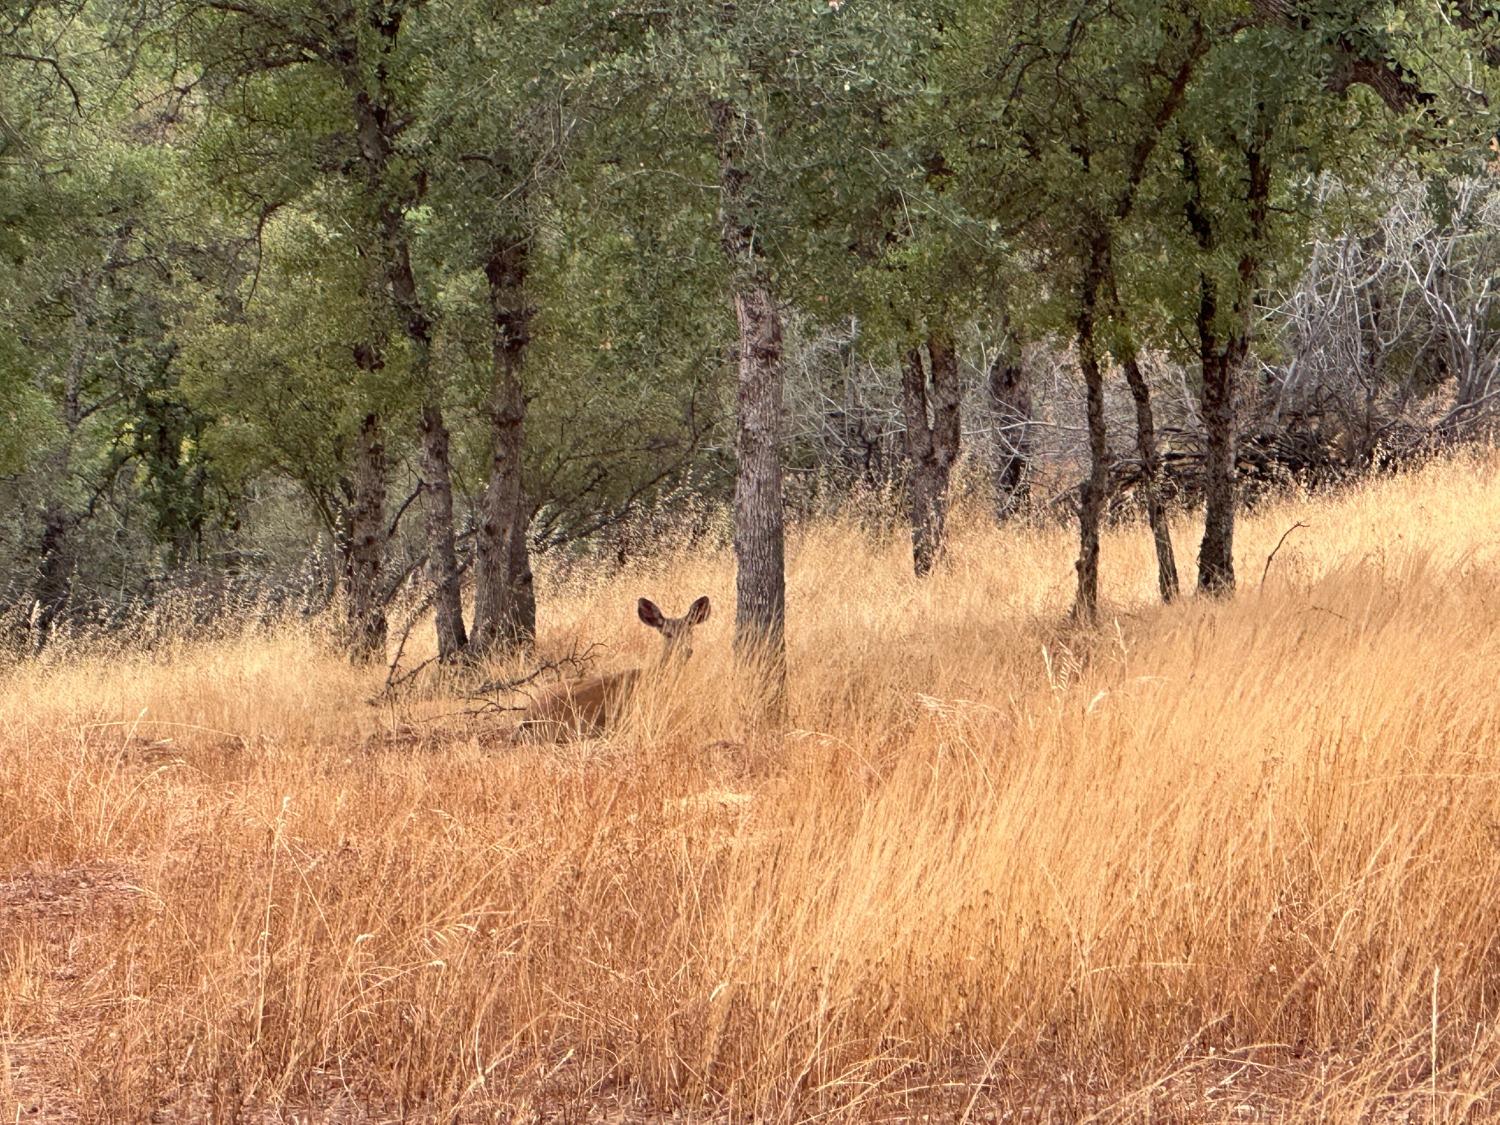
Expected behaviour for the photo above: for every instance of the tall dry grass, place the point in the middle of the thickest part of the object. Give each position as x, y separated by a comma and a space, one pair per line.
1215, 861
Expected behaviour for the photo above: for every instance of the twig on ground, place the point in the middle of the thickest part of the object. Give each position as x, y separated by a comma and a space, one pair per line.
574, 661
394, 677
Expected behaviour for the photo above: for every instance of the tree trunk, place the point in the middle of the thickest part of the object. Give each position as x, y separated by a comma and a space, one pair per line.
1091, 512
1145, 444
931, 445
366, 549
1011, 416
54, 574
436, 464
1221, 358
442, 552
378, 126
1216, 553
504, 598
759, 533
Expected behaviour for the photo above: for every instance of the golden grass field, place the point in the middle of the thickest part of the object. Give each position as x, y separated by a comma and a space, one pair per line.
1220, 861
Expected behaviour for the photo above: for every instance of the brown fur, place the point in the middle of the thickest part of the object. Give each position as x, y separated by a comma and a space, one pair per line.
586, 708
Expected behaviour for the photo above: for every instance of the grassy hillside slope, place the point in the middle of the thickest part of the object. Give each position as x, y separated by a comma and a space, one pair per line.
1214, 861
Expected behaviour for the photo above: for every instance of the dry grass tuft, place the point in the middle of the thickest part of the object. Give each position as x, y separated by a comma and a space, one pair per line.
1211, 862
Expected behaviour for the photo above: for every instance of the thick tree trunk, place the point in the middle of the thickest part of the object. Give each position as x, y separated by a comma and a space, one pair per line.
1011, 416
1216, 553
366, 547
759, 530
759, 533
504, 597
1145, 444
1091, 512
931, 445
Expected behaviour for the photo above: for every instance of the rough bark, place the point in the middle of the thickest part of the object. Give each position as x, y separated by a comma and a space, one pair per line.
759, 532
442, 552
1216, 552
366, 549
504, 597
1090, 516
931, 444
378, 126
436, 463
1011, 415
1223, 343
759, 537
1146, 450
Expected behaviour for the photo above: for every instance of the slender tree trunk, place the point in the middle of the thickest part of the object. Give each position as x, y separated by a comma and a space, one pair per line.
1090, 516
378, 126
442, 551
436, 463
921, 483
759, 532
931, 445
1145, 444
504, 597
1221, 358
366, 548
1011, 415
54, 574
759, 538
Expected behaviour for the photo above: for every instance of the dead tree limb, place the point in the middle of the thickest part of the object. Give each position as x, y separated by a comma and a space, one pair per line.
1279, 542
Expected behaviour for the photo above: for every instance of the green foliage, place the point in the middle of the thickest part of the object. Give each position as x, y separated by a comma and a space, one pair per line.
281, 379
194, 300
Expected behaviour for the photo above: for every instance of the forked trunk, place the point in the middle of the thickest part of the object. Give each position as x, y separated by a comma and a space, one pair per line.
931, 445
759, 533
1221, 355
366, 548
378, 126
504, 597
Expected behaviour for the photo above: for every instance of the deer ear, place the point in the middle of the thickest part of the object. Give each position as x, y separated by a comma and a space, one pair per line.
697, 613
649, 613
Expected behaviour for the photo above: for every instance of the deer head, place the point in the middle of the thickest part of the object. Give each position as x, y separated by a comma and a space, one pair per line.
676, 632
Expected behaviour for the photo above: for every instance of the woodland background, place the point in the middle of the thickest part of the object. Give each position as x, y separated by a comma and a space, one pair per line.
365, 303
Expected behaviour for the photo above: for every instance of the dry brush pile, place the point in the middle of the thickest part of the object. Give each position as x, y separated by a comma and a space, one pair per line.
1219, 861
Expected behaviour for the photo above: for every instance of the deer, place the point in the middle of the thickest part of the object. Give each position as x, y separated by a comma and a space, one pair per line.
586, 708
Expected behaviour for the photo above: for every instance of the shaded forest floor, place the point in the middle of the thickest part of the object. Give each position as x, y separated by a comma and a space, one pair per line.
1219, 861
